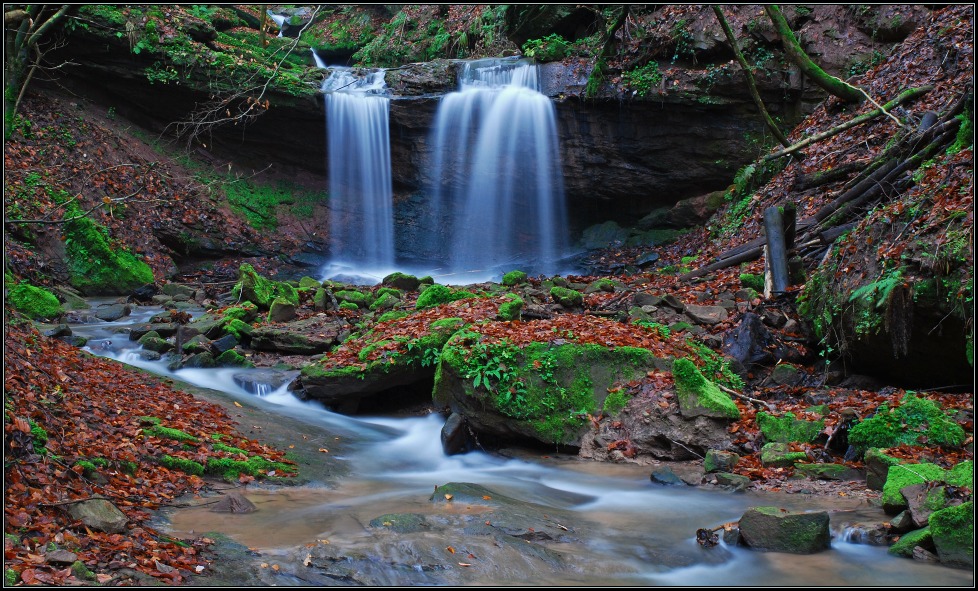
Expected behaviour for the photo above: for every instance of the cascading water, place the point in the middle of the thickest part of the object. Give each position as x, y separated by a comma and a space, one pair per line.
361, 210
497, 198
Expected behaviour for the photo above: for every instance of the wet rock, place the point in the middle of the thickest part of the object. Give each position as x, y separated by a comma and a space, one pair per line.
706, 314
99, 514
455, 438
732, 481
305, 337
234, 502
665, 475
112, 312
263, 381
777, 455
402, 523
61, 330
720, 461
60, 557
778, 530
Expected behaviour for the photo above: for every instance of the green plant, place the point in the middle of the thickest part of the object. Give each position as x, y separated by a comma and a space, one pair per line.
917, 421
96, 267
683, 39
642, 80
551, 48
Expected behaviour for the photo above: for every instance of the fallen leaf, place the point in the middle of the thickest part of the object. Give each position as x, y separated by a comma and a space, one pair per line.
450, 550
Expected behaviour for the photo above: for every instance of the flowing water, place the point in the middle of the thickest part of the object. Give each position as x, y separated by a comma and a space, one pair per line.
628, 530
360, 193
497, 199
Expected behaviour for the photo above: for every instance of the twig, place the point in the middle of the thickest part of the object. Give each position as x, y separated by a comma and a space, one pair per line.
767, 405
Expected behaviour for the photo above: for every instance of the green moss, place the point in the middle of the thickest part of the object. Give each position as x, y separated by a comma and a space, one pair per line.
168, 433
778, 455
385, 301
246, 311
695, 391
88, 468
238, 329
962, 475
232, 358
902, 475
787, 428
715, 367
905, 545
392, 315
188, 466
514, 278
150, 420
437, 294
616, 401
348, 306
361, 300
953, 532
261, 291
511, 310
915, 422
82, 572
231, 469
95, 266
34, 302
751, 281
227, 448
550, 390
566, 297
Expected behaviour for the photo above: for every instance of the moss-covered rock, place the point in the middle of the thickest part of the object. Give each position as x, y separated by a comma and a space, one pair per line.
514, 278
261, 291
34, 302
953, 533
699, 396
540, 392
905, 545
232, 358
385, 301
566, 297
437, 294
778, 455
510, 310
402, 281
786, 428
777, 530
402, 523
903, 475
96, 268
360, 299
916, 421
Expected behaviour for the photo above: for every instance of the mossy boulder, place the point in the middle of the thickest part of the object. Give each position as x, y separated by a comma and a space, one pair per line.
310, 283
566, 297
281, 310
953, 533
437, 294
510, 310
261, 291
34, 302
402, 281
514, 278
95, 267
232, 358
779, 455
905, 545
917, 421
385, 301
538, 392
360, 299
901, 476
699, 396
778, 530
787, 429
720, 461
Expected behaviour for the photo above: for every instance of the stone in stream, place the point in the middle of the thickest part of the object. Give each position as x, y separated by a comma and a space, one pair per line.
779, 530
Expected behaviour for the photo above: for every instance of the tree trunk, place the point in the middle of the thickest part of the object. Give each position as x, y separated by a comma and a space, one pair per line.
777, 253
793, 48
751, 84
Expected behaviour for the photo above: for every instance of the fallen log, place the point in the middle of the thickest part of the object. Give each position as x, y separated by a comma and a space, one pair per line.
903, 97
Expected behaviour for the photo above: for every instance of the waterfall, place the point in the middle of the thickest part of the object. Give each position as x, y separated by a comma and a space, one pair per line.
497, 200
360, 194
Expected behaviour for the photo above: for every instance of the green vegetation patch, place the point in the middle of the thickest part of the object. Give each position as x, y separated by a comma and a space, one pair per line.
168, 433
917, 421
514, 278
569, 298
34, 302
697, 395
261, 291
437, 294
902, 475
905, 545
786, 428
96, 266
550, 389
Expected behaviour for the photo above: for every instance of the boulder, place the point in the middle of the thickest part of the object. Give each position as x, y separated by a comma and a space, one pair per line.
778, 530
99, 514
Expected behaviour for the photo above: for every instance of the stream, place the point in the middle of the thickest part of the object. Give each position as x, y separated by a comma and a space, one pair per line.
576, 522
